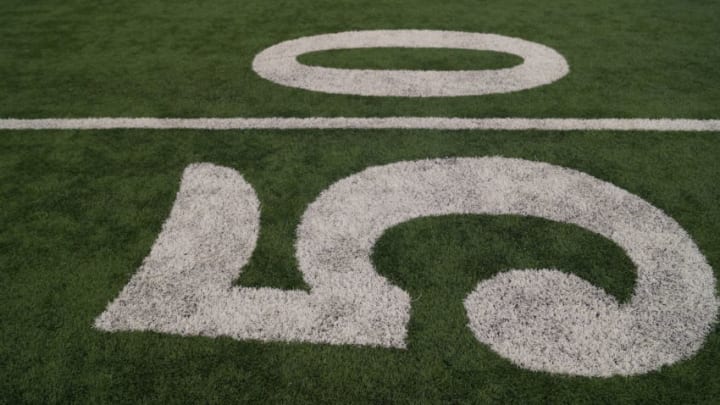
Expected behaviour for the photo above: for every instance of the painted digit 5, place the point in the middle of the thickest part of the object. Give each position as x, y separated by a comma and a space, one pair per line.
539, 319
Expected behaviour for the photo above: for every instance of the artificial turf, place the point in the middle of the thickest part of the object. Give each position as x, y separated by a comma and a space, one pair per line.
79, 210
628, 58
410, 59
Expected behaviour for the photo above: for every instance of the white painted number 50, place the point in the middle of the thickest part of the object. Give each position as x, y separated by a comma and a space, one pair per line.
539, 319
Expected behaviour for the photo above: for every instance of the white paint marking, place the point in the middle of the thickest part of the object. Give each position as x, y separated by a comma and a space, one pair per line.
437, 123
540, 319
184, 286
542, 65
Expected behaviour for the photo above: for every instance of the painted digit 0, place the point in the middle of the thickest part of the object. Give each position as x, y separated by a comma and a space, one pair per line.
541, 65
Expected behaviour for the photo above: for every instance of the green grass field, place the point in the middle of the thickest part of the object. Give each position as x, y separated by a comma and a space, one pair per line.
80, 210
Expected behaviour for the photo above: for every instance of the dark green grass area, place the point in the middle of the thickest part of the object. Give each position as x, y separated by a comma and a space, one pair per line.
80, 210
411, 59
76, 58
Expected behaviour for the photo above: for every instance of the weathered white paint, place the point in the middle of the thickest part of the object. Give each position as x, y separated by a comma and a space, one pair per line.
539, 319
438, 123
541, 65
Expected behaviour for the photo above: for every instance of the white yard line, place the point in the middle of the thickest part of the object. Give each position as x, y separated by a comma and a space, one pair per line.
439, 123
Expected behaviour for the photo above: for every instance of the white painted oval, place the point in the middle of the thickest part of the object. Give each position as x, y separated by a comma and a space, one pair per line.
541, 65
